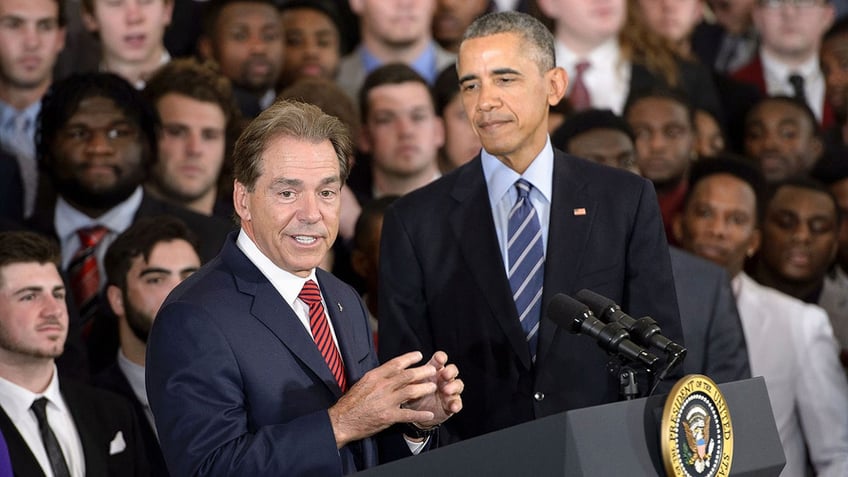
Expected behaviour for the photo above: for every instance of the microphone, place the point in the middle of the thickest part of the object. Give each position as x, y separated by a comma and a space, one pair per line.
577, 318
645, 330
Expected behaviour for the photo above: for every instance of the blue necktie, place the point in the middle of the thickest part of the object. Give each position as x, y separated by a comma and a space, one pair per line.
526, 263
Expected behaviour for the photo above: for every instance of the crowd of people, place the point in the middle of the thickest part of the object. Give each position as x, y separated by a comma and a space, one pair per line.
306, 237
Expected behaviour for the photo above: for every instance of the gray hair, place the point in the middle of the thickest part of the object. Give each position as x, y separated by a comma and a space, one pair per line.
295, 120
532, 31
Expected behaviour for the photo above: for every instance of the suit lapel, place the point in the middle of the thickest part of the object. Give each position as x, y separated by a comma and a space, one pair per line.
81, 411
23, 460
483, 254
572, 212
270, 308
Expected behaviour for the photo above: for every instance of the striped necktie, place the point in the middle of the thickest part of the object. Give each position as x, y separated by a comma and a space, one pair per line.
321, 332
526, 263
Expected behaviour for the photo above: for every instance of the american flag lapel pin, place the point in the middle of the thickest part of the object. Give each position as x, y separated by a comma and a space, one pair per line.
580, 211
340, 306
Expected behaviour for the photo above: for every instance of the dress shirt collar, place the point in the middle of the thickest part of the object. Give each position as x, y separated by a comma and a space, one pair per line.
140, 84
16, 400
287, 284
501, 179
777, 73
117, 219
607, 55
135, 376
8, 114
424, 64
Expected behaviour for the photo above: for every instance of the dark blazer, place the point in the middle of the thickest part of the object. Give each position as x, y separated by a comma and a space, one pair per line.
712, 330
11, 189
443, 287
753, 74
113, 379
98, 415
237, 385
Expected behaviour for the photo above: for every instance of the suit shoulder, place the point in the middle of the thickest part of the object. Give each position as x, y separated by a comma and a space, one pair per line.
686, 263
105, 401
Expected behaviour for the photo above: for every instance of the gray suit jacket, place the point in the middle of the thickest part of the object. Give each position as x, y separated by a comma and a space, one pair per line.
352, 72
712, 330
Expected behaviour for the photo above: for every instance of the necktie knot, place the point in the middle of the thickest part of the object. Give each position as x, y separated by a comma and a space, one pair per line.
580, 97
523, 187
39, 407
310, 294
797, 82
581, 67
91, 236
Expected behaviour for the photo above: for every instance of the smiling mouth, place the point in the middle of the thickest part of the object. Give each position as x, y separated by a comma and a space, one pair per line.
305, 239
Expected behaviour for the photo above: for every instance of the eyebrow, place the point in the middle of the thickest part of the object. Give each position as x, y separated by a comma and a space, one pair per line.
36, 289
153, 270
297, 182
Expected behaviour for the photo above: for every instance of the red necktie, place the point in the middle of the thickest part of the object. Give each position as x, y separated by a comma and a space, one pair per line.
580, 98
83, 271
321, 332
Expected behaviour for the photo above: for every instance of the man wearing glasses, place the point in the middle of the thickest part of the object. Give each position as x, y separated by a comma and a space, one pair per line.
787, 62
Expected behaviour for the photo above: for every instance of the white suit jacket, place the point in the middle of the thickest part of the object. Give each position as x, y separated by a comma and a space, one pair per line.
791, 344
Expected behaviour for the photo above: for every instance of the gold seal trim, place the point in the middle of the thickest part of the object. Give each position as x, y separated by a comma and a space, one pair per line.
696, 434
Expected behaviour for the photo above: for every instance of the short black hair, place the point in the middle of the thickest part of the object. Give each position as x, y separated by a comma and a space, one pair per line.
792, 101
212, 11
661, 92
327, 8
390, 73
737, 166
586, 121
807, 183
62, 101
139, 241
22, 246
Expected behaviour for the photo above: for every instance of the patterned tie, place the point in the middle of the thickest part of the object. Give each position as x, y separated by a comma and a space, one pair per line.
580, 98
321, 332
797, 82
83, 271
526, 263
51, 444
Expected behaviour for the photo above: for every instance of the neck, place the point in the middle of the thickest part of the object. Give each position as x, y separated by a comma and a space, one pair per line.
579, 46
22, 98
203, 205
388, 184
769, 278
668, 187
32, 374
133, 348
136, 71
391, 53
791, 59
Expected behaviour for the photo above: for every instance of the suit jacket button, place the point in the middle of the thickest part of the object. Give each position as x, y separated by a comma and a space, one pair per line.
539, 396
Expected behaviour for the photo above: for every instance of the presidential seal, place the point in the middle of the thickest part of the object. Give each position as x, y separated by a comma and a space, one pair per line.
696, 434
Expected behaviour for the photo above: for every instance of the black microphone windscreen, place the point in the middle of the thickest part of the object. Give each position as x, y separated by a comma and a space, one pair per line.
597, 303
562, 309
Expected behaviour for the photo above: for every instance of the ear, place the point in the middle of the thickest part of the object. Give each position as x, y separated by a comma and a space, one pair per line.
363, 141
439, 132
241, 201
677, 227
204, 47
89, 21
168, 12
116, 300
754, 244
557, 84
816, 151
356, 7
549, 8
359, 262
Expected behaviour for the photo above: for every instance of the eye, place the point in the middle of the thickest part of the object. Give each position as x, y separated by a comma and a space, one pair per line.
328, 193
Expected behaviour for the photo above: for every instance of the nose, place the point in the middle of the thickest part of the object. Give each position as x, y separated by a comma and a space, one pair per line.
257, 44
54, 307
193, 141
487, 99
32, 40
801, 233
133, 12
99, 142
309, 212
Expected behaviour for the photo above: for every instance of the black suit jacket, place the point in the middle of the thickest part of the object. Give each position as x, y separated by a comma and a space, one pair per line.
443, 287
98, 415
11, 189
113, 379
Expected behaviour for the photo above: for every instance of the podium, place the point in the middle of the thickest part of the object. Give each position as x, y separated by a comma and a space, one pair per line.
609, 440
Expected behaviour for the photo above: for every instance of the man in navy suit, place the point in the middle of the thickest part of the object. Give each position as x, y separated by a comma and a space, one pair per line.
445, 253
262, 364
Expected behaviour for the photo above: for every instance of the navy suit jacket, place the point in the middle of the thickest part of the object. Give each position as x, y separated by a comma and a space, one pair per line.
98, 415
443, 287
236, 383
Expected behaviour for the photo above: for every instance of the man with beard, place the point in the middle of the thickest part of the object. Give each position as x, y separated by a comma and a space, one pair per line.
32, 33
143, 265
313, 34
453, 17
781, 134
52, 427
393, 32
97, 143
245, 37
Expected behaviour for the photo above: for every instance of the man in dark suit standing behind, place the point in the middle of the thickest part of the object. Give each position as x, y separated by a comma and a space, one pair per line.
52, 426
261, 363
452, 278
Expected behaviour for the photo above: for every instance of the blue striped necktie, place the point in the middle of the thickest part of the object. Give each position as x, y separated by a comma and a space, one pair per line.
526, 263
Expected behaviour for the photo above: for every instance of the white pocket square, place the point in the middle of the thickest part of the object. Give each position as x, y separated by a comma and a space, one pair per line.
117, 445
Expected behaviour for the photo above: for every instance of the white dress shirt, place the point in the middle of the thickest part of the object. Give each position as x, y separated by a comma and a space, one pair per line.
777, 74
16, 402
791, 344
68, 220
500, 181
135, 377
608, 77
